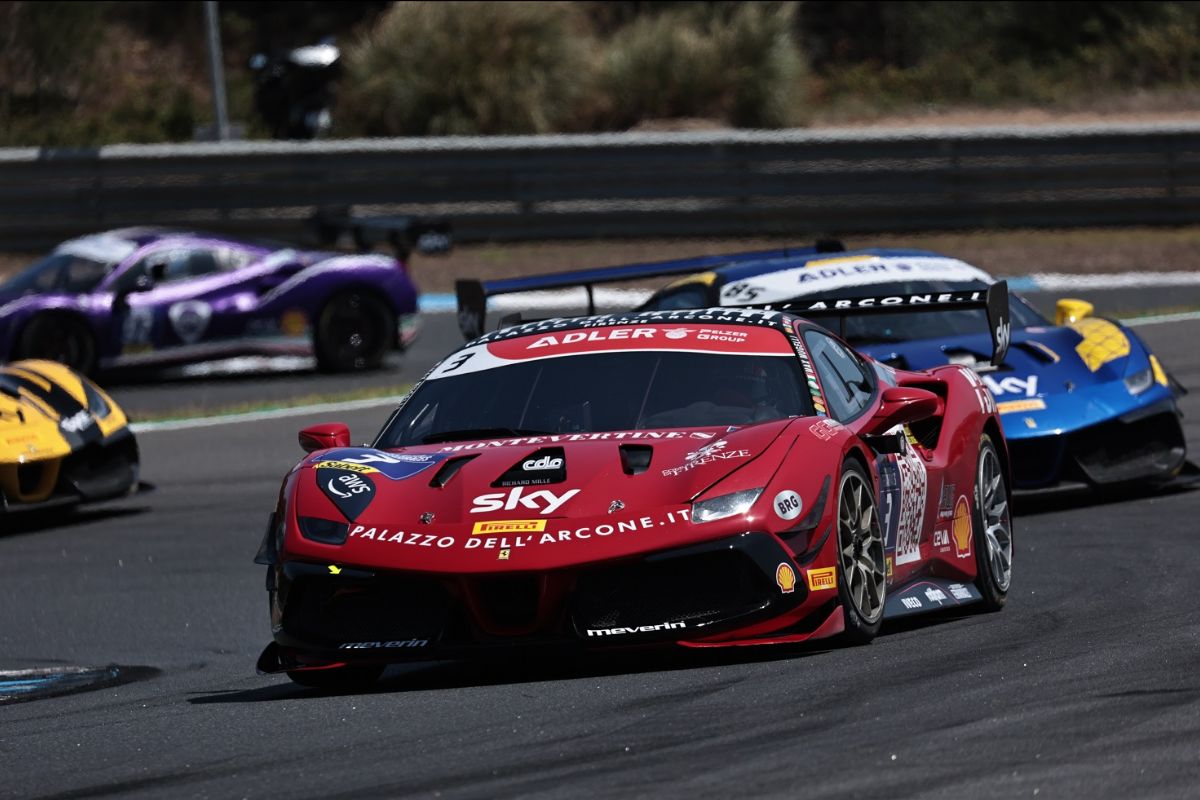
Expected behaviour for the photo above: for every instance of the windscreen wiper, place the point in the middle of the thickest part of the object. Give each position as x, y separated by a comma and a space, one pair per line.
479, 433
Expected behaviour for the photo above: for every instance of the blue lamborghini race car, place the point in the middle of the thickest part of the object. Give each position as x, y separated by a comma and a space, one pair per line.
1083, 400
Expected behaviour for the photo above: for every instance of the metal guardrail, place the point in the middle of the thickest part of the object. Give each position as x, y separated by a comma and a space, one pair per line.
794, 183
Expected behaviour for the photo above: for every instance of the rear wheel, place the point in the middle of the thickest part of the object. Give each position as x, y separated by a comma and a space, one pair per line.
338, 679
862, 570
58, 337
993, 528
354, 331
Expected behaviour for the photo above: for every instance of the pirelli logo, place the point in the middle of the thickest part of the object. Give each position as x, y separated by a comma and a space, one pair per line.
1013, 406
824, 578
509, 526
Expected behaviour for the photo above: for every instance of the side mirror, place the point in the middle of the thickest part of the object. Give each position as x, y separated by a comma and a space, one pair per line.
324, 436
1068, 310
901, 405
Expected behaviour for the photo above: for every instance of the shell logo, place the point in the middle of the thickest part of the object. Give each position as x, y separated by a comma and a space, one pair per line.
962, 528
785, 577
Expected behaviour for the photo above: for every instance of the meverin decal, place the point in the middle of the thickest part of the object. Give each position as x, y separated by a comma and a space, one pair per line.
392, 645
60, 401
395, 466
350, 491
662, 626
543, 467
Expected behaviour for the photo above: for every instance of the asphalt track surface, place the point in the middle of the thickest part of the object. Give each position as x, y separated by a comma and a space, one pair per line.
1085, 686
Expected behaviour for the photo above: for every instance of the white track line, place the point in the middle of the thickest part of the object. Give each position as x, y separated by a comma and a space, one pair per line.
257, 416
1158, 319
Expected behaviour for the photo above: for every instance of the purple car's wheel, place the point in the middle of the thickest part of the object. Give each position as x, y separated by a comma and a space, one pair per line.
338, 679
862, 567
354, 331
993, 528
58, 337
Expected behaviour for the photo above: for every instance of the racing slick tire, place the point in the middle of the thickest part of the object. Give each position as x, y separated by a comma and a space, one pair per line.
58, 337
338, 679
861, 565
354, 331
992, 517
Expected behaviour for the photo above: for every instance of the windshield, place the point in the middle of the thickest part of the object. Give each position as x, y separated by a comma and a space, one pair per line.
59, 272
609, 391
879, 328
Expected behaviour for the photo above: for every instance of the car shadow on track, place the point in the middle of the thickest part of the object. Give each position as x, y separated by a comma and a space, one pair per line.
57, 519
1025, 505
443, 675
435, 676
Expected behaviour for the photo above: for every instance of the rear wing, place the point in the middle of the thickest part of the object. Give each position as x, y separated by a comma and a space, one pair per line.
473, 294
994, 300
427, 235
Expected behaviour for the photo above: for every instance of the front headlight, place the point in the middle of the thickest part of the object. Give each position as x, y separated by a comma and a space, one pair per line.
97, 405
727, 505
1139, 381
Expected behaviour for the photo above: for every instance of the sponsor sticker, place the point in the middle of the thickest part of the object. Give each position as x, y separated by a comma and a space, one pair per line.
821, 579
75, 423
543, 467
787, 504
543, 501
962, 528
1013, 406
350, 491
785, 578
1011, 384
825, 428
189, 319
389, 645
509, 526
717, 451
662, 626
394, 466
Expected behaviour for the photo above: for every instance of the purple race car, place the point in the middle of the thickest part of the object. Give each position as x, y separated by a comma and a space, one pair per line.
140, 296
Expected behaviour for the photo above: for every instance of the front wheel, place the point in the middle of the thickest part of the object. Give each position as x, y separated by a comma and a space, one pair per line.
338, 679
862, 570
354, 331
993, 528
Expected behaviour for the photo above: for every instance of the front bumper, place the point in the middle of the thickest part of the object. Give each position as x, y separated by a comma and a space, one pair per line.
101, 470
683, 594
1145, 444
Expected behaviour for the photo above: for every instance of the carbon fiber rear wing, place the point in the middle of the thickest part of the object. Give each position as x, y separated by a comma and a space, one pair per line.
472, 294
994, 300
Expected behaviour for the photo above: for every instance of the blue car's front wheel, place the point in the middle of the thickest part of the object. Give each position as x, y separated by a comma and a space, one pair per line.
354, 331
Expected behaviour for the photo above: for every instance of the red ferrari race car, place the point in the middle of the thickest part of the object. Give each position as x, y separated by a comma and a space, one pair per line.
702, 478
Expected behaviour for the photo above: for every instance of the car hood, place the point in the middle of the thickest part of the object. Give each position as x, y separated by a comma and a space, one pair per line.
1054, 379
533, 502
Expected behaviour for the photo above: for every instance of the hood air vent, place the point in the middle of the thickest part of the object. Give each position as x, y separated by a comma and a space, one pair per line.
449, 470
635, 458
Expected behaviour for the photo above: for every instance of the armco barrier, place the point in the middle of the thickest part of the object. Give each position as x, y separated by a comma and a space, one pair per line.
797, 183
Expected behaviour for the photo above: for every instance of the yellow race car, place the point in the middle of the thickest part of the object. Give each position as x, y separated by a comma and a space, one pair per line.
63, 440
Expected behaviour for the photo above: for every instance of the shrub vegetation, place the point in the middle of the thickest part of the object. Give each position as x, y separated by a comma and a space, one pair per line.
91, 73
